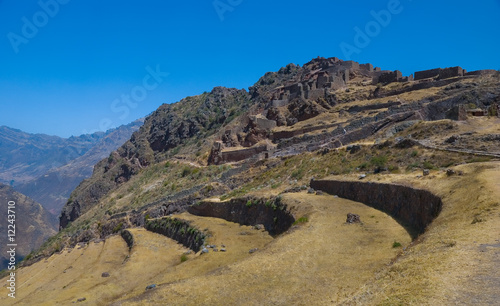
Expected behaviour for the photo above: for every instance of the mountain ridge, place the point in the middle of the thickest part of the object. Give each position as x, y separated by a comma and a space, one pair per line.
53, 188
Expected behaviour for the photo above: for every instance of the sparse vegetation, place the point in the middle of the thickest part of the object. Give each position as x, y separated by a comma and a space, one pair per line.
301, 220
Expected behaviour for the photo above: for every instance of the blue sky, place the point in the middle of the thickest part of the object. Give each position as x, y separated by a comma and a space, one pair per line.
80, 66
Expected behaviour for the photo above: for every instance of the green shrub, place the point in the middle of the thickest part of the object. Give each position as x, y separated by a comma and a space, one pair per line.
184, 258
298, 174
379, 161
301, 220
186, 171
428, 165
118, 227
396, 244
363, 166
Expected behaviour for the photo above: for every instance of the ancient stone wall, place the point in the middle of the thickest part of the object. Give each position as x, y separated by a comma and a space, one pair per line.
128, 237
388, 77
425, 74
481, 72
367, 67
248, 211
315, 94
458, 112
179, 230
238, 155
360, 108
413, 208
451, 72
442, 74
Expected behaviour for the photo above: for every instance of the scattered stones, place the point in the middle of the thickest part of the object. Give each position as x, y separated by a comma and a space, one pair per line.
353, 218
353, 148
222, 249
379, 169
152, 286
310, 191
253, 250
362, 176
452, 139
324, 151
426, 172
105, 274
204, 251
450, 172
222, 246
81, 300
405, 143
259, 227
319, 192
216, 250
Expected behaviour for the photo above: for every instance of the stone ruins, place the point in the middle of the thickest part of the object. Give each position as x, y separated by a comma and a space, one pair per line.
321, 78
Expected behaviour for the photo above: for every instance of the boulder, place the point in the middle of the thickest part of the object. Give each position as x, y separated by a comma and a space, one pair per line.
353, 218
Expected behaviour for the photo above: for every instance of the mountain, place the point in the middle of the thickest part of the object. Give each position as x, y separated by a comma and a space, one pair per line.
187, 122
33, 224
25, 157
246, 193
52, 189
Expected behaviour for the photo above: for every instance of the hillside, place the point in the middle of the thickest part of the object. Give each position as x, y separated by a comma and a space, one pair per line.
33, 224
262, 182
53, 188
186, 123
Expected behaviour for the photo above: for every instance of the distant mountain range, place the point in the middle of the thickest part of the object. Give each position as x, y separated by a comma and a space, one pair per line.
47, 168
33, 224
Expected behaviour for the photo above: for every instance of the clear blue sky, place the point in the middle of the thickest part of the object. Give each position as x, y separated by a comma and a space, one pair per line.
63, 71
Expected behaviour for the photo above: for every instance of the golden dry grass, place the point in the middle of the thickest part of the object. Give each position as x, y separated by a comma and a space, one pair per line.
319, 262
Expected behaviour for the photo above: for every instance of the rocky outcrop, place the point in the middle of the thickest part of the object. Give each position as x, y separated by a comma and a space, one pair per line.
248, 211
170, 126
413, 208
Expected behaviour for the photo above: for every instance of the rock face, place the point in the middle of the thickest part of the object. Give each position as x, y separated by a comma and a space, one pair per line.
33, 224
413, 208
167, 128
248, 211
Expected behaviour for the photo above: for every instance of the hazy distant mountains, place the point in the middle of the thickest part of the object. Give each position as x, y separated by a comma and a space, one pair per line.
33, 223
47, 168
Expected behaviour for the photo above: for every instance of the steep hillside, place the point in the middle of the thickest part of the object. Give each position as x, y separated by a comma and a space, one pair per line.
33, 224
188, 122
54, 187
426, 146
